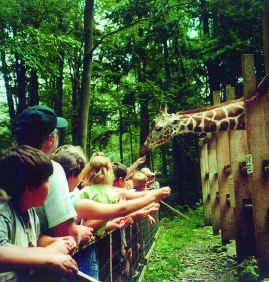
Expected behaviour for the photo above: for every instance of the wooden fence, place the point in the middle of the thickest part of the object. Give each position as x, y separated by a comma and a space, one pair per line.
235, 174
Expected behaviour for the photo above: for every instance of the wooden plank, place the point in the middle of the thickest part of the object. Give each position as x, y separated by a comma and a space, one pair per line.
203, 154
226, 211
243, 212
257, 119
213, 177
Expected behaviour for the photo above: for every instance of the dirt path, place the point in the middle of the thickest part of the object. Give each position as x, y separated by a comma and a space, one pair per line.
205, 259
186, 253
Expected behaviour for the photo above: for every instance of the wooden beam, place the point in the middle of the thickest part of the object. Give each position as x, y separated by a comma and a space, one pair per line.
240, 192
257, 120
213, 176
203, 154
226, 209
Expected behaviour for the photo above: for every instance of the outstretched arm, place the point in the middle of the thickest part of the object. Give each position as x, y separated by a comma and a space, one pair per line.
88, 209
135, 165
14, 258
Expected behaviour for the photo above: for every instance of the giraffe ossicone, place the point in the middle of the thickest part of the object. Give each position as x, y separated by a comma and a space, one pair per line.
222, 117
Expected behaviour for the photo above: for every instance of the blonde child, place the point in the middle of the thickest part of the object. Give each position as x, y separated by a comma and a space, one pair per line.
140, 181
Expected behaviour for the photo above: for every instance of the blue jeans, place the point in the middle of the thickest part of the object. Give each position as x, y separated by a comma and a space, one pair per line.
87, 262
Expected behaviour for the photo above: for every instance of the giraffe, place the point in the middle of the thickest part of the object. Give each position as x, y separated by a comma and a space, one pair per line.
222, 117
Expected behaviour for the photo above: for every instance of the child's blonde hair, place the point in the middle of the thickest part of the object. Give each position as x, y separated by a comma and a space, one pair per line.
139, 181
98, 171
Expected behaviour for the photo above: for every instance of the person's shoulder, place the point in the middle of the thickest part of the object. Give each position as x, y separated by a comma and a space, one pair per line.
56, 166
6, 210
58, 172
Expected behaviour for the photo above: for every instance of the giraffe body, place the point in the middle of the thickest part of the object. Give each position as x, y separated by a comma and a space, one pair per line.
222, 117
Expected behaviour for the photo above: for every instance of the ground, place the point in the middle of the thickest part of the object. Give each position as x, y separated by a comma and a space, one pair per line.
187, 251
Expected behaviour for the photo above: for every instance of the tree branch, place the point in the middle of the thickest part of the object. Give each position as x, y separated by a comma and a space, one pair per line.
160, 13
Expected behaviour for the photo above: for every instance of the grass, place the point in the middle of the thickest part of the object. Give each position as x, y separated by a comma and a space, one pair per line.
176, 233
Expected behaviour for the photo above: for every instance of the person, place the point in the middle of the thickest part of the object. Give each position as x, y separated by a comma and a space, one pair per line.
24, 181
38, 126
73, 161
152, 183
140, 181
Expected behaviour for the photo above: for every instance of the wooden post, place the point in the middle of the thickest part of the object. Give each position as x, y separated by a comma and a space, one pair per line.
204, 180
265, 29
257, 119
226, 211
213, 176
240, 192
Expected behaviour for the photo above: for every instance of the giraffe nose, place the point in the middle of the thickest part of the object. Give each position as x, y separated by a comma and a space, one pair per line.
145, 150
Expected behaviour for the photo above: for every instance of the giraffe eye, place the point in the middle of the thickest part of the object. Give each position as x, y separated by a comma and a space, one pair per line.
175, 121
158, 128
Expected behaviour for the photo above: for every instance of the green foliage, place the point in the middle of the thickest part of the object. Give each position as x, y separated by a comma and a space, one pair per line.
162, 56
248, 270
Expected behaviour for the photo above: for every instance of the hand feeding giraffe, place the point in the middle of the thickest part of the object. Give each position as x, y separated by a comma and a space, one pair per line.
222, 117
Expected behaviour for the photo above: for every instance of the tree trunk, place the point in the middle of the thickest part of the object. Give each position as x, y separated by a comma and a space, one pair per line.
265, 28
212, 68
59, 88
130, 136
86, 75
120, 135
21, 81
164, 161
144, 116
33, 89
75, 102
11, 109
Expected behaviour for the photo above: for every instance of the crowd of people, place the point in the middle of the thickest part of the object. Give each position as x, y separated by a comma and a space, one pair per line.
53, 200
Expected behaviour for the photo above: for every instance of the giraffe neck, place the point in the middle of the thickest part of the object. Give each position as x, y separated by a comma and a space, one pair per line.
222, 118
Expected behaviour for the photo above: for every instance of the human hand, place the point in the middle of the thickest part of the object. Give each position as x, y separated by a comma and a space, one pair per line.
118, 223
62, 245
151, 219
84, 234
162, 193
153, 209
141, 160
140, 214
64, 264
70, 242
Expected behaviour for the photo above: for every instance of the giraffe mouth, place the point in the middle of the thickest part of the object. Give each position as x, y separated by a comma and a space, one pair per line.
145, 150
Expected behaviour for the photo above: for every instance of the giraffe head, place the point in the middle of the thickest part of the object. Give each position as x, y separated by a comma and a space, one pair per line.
164, 127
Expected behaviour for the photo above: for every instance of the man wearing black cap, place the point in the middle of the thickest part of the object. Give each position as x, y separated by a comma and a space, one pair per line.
38, 127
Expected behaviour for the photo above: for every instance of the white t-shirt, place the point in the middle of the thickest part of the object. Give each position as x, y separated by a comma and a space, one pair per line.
57, 207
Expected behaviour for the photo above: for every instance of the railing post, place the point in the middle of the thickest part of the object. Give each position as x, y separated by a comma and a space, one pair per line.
203, 155
213, 175
257, 120
226, 211
244, 224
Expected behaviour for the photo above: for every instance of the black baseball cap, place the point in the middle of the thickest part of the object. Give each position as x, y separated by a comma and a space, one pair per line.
38, 121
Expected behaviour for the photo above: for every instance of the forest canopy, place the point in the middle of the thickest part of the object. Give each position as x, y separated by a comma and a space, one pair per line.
108, 66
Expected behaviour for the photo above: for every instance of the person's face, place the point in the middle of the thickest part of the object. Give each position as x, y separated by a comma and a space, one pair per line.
122, 182
40, 193
151, 179
74, 181
55, 140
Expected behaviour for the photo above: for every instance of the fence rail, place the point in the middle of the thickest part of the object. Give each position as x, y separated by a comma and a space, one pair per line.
140, 237
235, 182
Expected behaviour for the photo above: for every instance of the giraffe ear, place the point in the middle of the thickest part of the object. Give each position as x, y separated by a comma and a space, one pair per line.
163, 109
